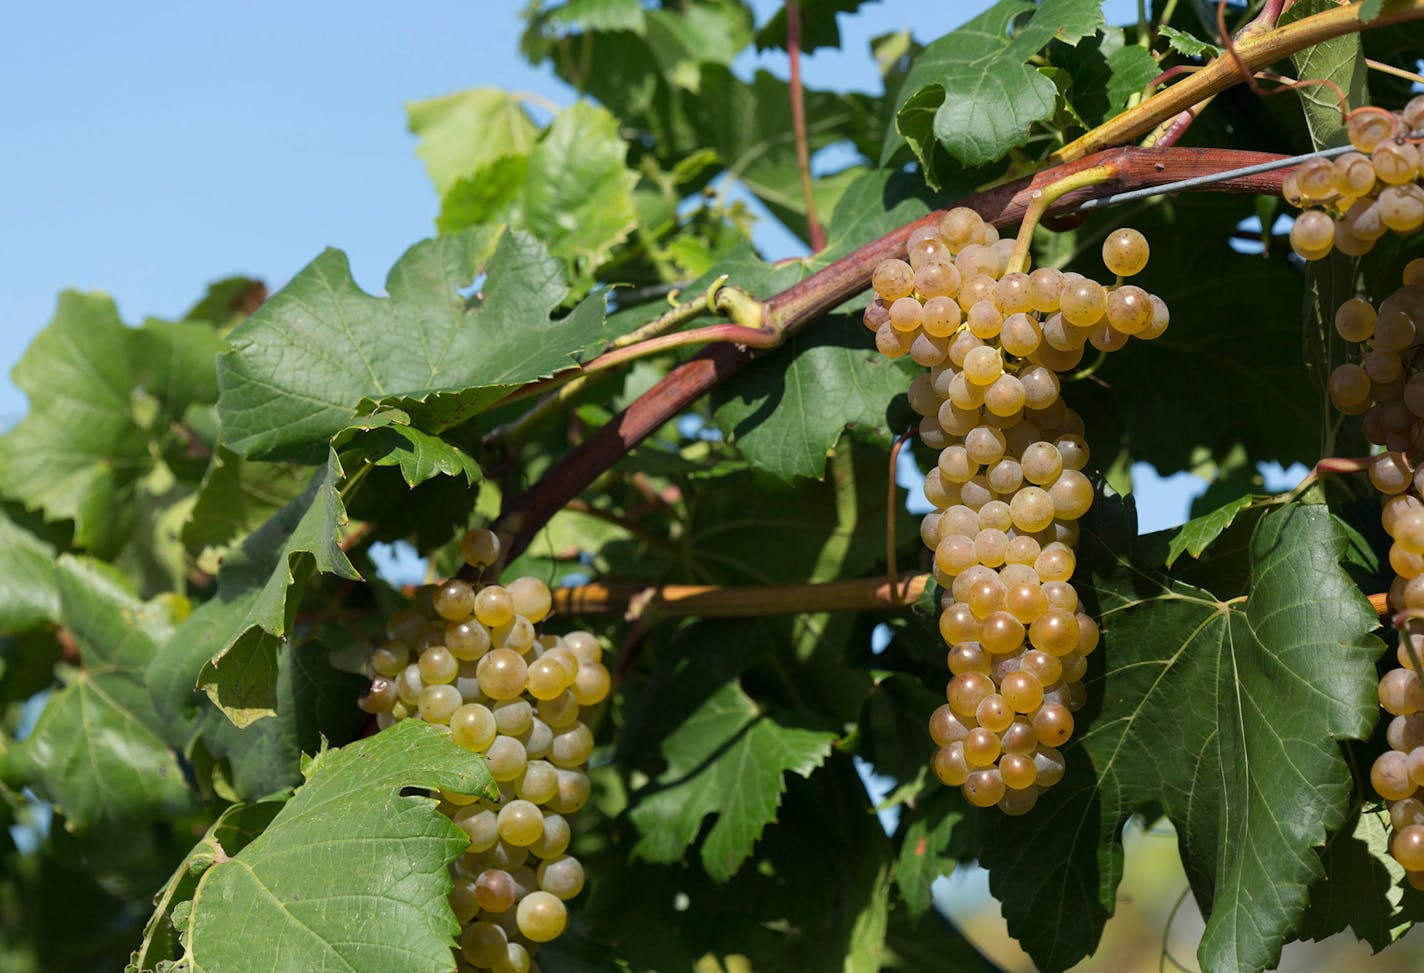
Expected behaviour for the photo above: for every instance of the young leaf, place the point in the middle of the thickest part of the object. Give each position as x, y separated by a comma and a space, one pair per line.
303, 890
96, 752
1196, 535
986, 99
461, 133
572, 190
1227, 716
321, 351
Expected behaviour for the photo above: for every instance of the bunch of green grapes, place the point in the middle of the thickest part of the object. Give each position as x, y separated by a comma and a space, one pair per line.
1392, 401
1008, 488
468, 659
1351, 201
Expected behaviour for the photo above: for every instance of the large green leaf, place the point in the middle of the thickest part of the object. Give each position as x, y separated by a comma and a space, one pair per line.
726, 757
1225, 715
321, 351
350, 874
240, 630
80, 450
96, 752
786, 411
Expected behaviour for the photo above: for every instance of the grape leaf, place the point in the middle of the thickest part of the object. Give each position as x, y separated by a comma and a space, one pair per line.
572, 190
29, 597
237, 496
785, 412
461, 133
230, 833
990, 108
926, 852
726, 757
96, 752
1225, 715
80, 449
1360, 876
321, 351
238, 632
315, 702
1188, 44
309, 885
601, 15
387, 439
1339, 60
1196, 535
983, 96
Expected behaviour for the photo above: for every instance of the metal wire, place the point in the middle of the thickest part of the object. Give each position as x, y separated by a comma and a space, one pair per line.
1172, 187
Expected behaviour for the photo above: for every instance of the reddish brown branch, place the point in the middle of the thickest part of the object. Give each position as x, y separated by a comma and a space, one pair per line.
814, 233
795, 308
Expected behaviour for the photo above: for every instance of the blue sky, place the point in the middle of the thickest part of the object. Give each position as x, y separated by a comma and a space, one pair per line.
153, 147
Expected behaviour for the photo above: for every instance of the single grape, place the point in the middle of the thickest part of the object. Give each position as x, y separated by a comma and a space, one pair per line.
949, 764
892, 280
1083, 302
1401, 208
562, 877
480, 547
555, 840
483, 943
502, 674
961, 227
1125, 252
1389, 776
984, 788
1054, 724
506, 758
1312, 234
542, 917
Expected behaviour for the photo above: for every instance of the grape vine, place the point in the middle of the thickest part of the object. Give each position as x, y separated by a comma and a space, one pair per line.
551, 610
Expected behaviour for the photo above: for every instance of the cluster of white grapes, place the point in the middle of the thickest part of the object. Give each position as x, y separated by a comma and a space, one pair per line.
467, 659
1008, 488
1350, 202
1393, 406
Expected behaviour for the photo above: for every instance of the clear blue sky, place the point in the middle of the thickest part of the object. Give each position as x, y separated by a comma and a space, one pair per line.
153, 147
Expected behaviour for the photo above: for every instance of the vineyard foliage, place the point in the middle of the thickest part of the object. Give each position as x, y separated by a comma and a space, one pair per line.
193, 512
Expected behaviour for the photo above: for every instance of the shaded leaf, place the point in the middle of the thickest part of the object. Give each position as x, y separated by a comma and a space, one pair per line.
96, 752
1360, 877
238, 632
1339, 60
726, 758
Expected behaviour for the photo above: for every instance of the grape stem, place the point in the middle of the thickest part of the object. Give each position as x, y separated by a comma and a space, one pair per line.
814, 233
1041, 199
1252, 50
892, 508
